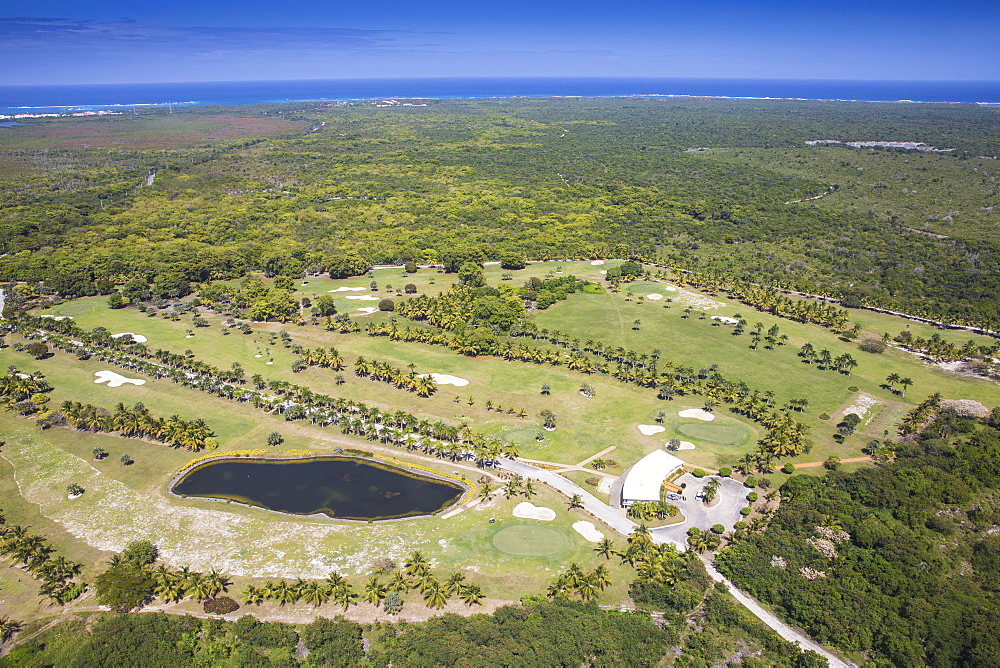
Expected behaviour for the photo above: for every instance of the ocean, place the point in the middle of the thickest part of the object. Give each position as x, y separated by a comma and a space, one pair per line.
92, 97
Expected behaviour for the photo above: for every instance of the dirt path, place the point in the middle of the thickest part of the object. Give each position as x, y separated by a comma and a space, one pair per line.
849, 460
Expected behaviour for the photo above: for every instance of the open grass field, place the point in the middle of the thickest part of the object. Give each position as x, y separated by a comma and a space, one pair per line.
509, 557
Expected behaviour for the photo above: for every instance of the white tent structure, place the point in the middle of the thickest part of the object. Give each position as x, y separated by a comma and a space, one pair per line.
644, 479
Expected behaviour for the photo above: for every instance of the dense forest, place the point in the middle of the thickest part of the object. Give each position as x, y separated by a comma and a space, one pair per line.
360, 185
901, 561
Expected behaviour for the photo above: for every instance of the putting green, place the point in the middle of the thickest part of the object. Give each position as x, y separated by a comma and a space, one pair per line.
76, 307
645, 287
723, 434
522, 436
528, 540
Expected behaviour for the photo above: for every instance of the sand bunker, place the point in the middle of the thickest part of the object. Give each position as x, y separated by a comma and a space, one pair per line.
529, 511
597, 263
726, 319
697, 414
59, 317
650, 429
138, 338
346, 290
368, 310
686, 445
654, 296
116, 380
588, 531
445, 379
365, 298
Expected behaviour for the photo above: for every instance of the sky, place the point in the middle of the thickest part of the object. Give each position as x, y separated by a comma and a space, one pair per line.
114, 41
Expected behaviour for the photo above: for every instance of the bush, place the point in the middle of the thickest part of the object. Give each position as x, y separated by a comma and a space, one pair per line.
593, 481
752, 496
852, 388
725, 472
876, 346
750, 481
824, 416
140, 553
410, 289
832, 464
788, 468
718, 529
220, 606
698, 473
741, 525
410, 267
746, 511
386, 305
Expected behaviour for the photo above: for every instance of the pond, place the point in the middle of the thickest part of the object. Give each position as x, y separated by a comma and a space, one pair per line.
340, 487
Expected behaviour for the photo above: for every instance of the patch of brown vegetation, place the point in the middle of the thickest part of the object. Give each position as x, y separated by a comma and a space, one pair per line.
169, 131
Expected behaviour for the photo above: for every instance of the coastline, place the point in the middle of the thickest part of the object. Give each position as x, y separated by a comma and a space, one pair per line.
25, 101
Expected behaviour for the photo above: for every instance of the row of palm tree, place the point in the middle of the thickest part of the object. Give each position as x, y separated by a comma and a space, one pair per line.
136, 422
585, 584
424, 385
336, 589
651, 510
174, 585
39, 558
824, 359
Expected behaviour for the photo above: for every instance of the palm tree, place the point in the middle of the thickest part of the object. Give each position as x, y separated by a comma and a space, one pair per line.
471, 594
905, 382
605, 548
436, 595
374, 590
576, 501
344, 595
253, 595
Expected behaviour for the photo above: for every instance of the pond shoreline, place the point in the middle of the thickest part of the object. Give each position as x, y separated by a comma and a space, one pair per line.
371, 461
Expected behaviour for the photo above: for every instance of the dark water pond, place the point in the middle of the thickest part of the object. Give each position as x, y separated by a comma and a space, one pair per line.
342, 488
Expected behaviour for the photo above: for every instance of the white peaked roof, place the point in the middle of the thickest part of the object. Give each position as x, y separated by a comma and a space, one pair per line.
645, 478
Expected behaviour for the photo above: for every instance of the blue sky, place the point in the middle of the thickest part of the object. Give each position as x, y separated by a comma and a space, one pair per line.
113, 41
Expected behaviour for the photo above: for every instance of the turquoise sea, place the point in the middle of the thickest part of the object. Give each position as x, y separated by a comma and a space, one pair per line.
42, 99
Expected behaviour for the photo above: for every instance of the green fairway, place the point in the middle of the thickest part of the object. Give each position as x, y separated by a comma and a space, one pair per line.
723, 434
528, 540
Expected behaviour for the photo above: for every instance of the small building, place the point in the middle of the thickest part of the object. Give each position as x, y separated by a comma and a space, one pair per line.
644, 479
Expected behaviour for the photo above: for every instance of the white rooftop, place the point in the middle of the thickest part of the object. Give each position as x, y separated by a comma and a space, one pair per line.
645, 478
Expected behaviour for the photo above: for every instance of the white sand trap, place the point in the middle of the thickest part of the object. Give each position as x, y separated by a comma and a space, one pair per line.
258, 356
669, 288
588, 531
116, 380
445, 379
138, 338
59, 317
368, 310
654, 296
346, 290
597, 263
529, 511
697, 414
650, 429
686, 445
604, 272
364, 298
726, 319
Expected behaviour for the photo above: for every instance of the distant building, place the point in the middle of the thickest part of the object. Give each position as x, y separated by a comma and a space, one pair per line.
644, 480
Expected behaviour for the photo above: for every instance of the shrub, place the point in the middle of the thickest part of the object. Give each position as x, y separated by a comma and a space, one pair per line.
824, 416
410, 267
746, 511
788, 468
594, 481
386, 305
852, 388
741, 525
876, 346
410, 289
725, 471
220, 606
74, 489
610, 463
832, 464
698, 473
752, 496
718, 529
750, 481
